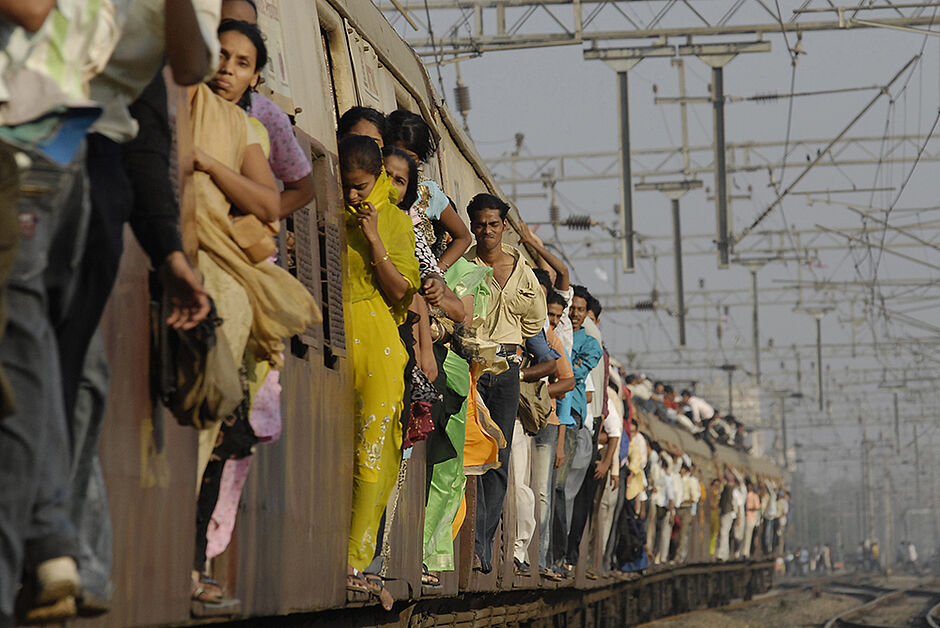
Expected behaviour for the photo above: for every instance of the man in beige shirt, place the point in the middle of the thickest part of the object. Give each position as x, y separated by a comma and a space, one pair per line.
516, 311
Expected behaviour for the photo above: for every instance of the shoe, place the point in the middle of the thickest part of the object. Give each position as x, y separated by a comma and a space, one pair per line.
58, 611
95, 601
482, 567
521, 568
56, 579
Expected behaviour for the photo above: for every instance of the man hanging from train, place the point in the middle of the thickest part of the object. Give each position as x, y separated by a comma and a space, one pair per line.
516, 312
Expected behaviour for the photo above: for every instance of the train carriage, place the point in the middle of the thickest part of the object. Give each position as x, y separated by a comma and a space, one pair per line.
288, 553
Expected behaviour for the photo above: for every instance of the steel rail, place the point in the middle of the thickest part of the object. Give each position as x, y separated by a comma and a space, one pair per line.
933, 616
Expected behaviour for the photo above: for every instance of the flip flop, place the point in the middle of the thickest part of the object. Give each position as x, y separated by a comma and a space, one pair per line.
207, 593
428, 579
377, 588
356, 582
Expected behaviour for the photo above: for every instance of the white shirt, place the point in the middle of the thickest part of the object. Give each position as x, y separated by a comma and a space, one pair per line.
613, 424
138, 57
678, 487
701, 410
641, 390
564, 329
589, 408
738, 498
691, 491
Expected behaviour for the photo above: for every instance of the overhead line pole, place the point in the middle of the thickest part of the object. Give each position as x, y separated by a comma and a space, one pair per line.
622, 60
626, 178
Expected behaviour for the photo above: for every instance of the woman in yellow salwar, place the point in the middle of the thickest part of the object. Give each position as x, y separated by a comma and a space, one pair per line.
382, 278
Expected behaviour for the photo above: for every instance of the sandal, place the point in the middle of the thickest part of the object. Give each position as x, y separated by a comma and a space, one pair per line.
428, 579
375, 586
356, 582
206, 592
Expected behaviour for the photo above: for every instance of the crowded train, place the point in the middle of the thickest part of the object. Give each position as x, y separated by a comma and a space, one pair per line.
324, 364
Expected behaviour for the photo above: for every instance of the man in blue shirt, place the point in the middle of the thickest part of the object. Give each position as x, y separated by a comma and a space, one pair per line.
586, 352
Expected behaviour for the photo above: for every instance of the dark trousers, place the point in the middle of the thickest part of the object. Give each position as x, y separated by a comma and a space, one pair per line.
500, 393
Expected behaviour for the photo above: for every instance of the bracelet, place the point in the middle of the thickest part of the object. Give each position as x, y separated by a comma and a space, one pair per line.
384, 259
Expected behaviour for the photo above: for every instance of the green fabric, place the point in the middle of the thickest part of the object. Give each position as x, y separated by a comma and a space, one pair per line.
465, 278
444, 496
448, 478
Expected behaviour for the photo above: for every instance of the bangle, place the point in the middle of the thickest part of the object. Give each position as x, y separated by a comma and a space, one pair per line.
384, 259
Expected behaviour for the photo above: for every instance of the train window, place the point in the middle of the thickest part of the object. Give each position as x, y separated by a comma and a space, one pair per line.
303, 251
318, 252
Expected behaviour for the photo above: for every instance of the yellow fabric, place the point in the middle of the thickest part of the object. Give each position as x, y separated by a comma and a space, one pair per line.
635, 464
517, 310
280, 305
397, 234
263, 138
378, 361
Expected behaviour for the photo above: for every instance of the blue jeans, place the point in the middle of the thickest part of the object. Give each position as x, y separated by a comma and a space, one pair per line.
35, 451
500, 393
543, 477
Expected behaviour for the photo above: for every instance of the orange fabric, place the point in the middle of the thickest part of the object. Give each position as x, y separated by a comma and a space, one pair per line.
459, 517
484, 438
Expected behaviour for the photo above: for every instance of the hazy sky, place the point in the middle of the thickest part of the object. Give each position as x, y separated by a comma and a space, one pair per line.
563, 103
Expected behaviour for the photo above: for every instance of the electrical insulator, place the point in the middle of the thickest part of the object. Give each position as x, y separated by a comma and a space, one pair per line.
462, 96
553, 214
579, 223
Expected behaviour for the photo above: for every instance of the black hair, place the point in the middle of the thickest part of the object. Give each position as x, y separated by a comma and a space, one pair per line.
658, 383
595, 306
667, 388
411, 193
484, 201
354, 114
412, 132
685, 391
582, 292
253, 33
544, 278
358, 152
554, 297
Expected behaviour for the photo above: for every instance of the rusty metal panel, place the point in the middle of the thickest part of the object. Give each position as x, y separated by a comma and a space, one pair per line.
294, 520
151, 494
406, 541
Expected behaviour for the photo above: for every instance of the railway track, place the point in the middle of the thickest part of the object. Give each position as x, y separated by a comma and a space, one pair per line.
883, 607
